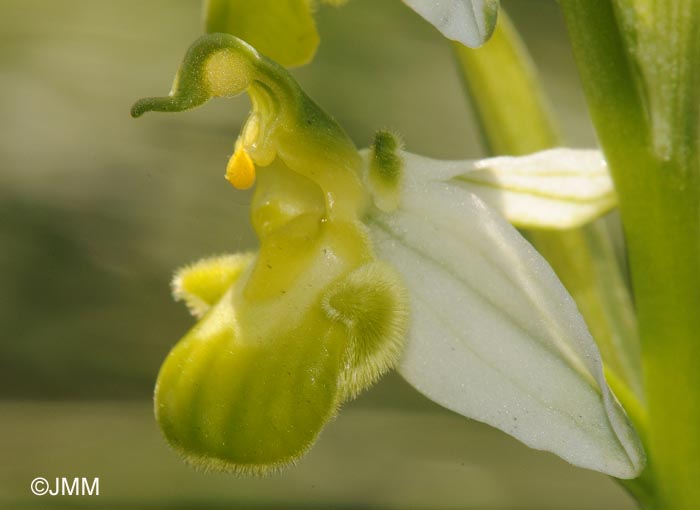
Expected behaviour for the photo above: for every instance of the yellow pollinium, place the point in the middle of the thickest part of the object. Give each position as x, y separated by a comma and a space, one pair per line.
240, 170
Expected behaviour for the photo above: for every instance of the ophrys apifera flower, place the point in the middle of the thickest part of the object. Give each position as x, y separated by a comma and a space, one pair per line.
369, 260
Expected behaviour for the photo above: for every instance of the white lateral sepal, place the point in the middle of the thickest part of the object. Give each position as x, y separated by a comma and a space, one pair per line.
470, 22
494, 335
557, 188
552, 189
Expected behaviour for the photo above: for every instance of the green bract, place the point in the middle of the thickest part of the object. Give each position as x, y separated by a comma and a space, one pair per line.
289, 333
283, 30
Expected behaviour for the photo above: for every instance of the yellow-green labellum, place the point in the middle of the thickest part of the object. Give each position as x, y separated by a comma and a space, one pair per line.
231, 402
250, 392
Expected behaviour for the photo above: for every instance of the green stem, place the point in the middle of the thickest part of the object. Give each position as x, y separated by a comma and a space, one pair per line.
659, 198
514, 116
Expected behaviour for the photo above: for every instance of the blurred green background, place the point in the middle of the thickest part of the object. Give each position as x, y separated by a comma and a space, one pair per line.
97, 209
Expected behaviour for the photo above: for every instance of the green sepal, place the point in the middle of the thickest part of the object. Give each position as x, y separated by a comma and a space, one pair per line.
283, 30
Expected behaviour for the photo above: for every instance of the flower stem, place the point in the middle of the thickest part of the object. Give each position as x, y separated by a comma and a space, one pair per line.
659, 195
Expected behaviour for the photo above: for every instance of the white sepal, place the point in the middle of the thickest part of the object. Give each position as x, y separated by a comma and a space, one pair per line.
552, 189
494, 335
470, 22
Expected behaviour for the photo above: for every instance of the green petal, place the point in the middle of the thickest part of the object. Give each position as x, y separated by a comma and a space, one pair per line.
385, 170
283, 30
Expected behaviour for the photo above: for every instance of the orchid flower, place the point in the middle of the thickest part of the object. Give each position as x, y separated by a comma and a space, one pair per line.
374, 260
